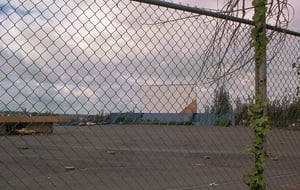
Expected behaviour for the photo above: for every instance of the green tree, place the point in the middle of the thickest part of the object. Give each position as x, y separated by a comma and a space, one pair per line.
293, 112
221, 104
285, 112
241, 112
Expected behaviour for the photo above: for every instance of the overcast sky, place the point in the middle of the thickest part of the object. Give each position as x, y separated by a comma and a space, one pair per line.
88, 56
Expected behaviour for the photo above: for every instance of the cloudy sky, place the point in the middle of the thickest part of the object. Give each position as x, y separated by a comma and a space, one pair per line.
88, 56
293, 7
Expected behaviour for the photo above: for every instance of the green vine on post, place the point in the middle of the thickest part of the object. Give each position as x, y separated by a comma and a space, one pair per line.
260, 123
297, 67
257, 112
258, 32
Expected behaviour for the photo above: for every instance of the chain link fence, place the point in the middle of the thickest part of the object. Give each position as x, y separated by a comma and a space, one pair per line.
125, 95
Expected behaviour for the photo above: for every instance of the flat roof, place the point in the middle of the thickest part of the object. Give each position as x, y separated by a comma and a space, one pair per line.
34, 119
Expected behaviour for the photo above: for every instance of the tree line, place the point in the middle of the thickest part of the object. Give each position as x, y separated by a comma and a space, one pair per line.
282, 112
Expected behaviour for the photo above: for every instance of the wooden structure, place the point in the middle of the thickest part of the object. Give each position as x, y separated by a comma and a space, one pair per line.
41, 124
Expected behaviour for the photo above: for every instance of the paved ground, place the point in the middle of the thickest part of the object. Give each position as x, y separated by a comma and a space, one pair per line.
144, 157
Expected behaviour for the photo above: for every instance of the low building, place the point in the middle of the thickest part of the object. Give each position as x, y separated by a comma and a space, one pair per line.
40, 124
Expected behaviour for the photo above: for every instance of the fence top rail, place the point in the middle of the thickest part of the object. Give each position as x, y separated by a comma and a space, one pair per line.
213, 14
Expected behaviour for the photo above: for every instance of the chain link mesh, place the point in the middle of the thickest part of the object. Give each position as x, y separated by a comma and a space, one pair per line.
124, 95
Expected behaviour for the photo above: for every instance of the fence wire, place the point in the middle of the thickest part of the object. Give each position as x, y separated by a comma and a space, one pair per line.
124, 95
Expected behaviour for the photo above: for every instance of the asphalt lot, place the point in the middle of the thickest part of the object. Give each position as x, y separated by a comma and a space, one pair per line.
145, 157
